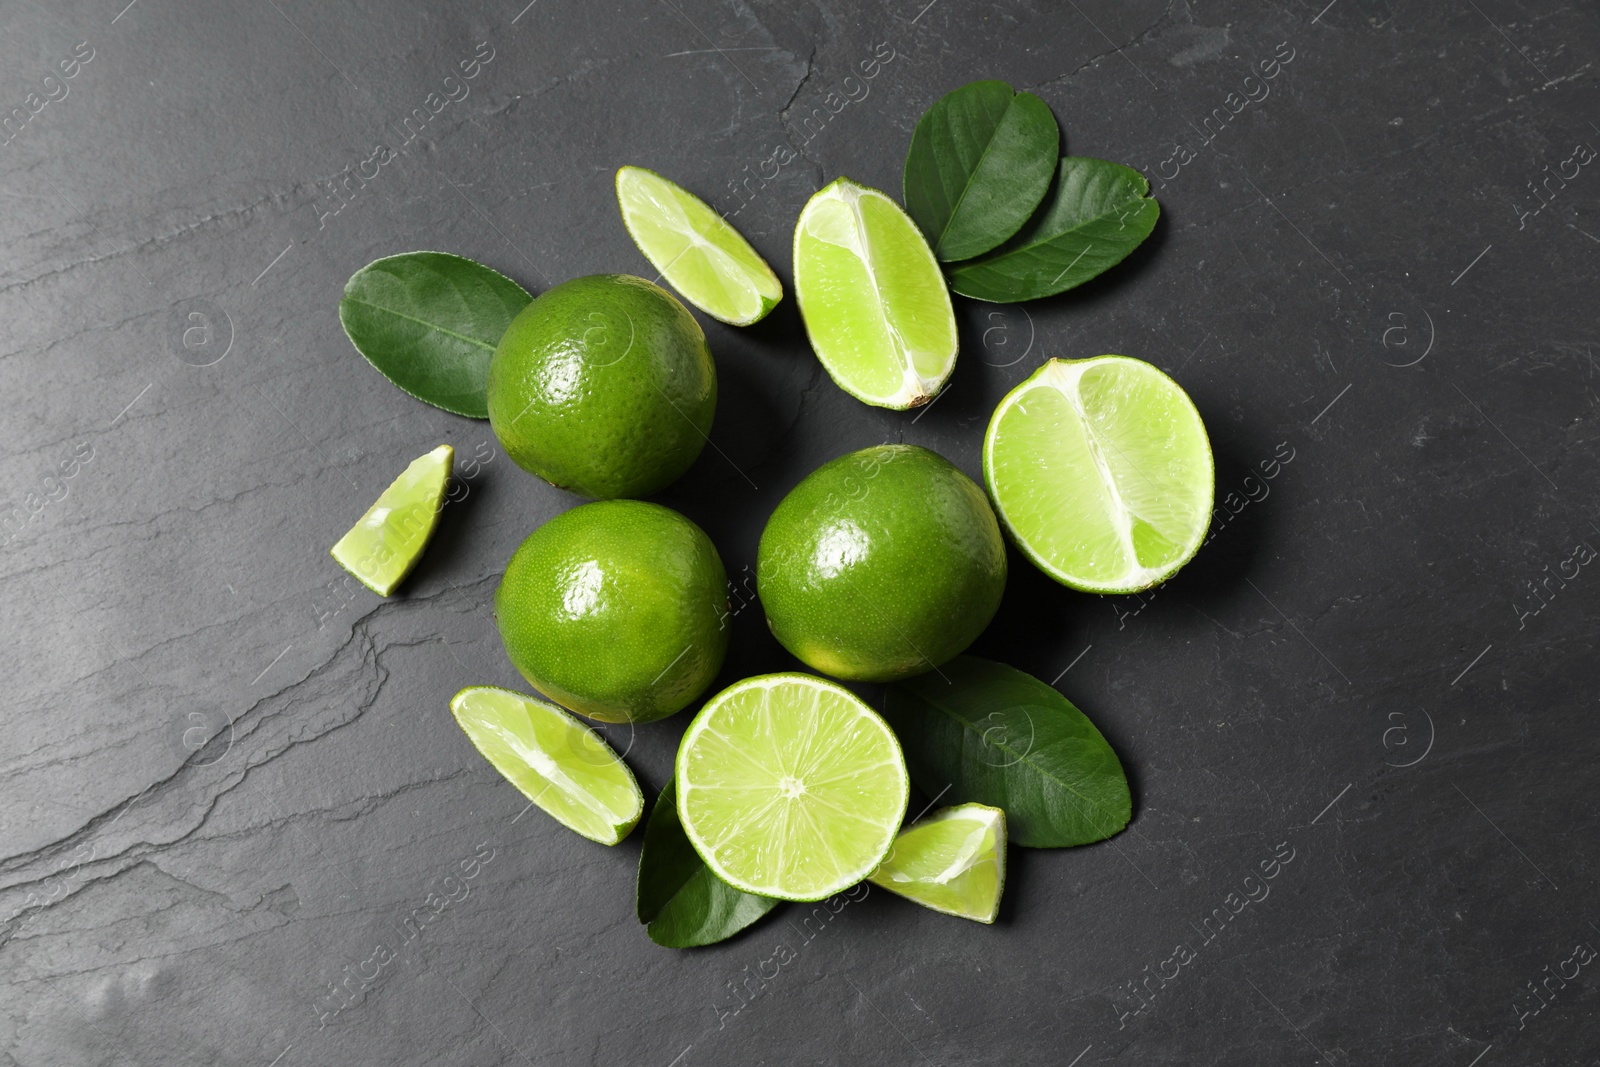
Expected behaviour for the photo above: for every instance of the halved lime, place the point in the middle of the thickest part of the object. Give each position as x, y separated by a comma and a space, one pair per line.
381, 549
873, 299
790, 786
553, 759
708, 261
1101, 470
953, 861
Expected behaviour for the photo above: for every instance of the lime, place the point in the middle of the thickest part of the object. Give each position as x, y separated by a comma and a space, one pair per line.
556, 761
872, 297
604, 386
386, 543
695, 249
1101, 470
881, 564
617, 610
953, 861
789, 786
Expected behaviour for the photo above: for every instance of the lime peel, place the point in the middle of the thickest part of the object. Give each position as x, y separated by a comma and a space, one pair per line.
384, 545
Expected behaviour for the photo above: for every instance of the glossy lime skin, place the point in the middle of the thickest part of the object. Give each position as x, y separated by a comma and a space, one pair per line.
616, 610
603, 385
881, 564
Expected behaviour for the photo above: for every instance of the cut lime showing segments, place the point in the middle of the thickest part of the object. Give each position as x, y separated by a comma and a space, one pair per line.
873, 299
954, 861
381, 549
790, 786
1101, 470
696, 250
553, 759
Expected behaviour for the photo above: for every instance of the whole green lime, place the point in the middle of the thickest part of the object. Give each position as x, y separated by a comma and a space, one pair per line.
604, 386
881, 564
616, 610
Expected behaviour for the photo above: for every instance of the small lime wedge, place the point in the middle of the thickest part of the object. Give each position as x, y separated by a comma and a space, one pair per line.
790, 786
1101, 470
954, 861
696, 250
381, 549
553, 759
872, 296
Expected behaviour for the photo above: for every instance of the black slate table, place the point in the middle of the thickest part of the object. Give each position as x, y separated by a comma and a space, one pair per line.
238, 825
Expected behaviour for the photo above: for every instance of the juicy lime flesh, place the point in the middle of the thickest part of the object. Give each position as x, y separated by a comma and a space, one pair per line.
881, 564
695, 249
790, 786
603, 385
383, 547
616, 610
1102, 471
873, 298
953, 861
553, 759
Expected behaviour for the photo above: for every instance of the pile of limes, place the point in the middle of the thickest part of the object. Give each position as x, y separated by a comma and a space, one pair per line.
879, 566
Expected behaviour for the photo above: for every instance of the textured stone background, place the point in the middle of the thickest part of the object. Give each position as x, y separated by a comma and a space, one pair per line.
230, 776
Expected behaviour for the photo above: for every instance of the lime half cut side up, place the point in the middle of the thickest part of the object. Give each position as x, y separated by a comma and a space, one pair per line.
874, 301
704, 258
555, 761
790, 786
954, 862
382, 548
1101, 470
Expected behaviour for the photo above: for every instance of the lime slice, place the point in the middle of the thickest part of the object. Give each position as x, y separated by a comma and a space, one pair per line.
381, 549
874, 302
710, 264
1101, 470
556, 761
790, 786
953, 861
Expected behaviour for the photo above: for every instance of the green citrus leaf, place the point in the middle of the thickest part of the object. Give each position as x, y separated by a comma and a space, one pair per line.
1095, 214
981, 159
429, 322
980, 731
685, 904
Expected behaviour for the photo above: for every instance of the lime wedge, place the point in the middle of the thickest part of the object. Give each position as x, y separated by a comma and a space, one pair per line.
953, 861
710, 264
873, 299
790, 786
1101, 470
381, 549
556, 761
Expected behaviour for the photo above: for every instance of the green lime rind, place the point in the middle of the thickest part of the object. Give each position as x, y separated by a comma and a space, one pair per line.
790, 786
873, 299
384, 545
697, 251
1101, 472
616, 610
558, 763
953, 861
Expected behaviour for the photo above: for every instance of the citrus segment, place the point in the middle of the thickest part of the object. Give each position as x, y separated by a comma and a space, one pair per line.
698, 251
1102, 472
555, 761
954, 861
383, 547
873, 298
790, 786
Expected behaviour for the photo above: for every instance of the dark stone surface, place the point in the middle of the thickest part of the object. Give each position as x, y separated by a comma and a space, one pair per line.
230, 775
